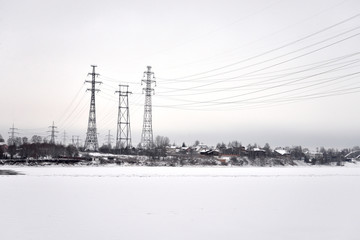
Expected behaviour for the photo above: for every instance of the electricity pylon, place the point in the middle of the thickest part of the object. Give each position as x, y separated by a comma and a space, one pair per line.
123, 134
75, 142
64, 138
147, 133
91, 141
52, 133
12, 133
109, 139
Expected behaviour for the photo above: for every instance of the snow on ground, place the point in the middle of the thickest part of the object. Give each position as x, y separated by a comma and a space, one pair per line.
180, 203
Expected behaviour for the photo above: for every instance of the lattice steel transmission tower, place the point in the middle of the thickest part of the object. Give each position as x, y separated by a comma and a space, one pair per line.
91, 141
64, 138
123, 135
52, 133
12, 133
109, 140
147, 133
76, 142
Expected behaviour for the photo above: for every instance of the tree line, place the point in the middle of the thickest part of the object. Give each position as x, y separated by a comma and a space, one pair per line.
38, 147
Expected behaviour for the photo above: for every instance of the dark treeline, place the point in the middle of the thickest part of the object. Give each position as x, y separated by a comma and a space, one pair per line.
41, 150
162, 150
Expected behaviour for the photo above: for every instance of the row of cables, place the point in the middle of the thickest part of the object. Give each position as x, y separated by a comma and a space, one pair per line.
235, 85
298, 70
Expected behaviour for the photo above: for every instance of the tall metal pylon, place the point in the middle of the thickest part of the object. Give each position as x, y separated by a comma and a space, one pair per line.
91, 141
109, 139
52, 133
12, 133
75, 142
64, 138
78, 140
147, 133
123, 134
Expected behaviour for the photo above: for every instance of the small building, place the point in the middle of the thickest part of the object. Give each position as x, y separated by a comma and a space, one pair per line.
170, 150
210, 152
256, 153
201, 148
282, 153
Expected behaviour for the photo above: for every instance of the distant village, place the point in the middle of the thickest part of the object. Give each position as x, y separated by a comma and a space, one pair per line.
38, 152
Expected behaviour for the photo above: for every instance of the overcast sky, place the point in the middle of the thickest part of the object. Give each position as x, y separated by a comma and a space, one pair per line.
256, 71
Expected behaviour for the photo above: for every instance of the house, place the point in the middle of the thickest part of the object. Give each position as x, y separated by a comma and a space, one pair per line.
173, 150
226, 158
210, 152
170, 150
282, 153
202, 148
256, 153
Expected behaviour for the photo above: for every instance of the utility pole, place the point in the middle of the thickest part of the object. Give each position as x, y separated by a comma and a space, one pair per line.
52, 133
147, 133
91, 141
123, 134
12, 135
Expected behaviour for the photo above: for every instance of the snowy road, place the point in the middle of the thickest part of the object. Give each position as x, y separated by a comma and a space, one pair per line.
180, 203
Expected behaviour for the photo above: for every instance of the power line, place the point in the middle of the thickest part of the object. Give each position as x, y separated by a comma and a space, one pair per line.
268, 67
71, 103
215, 102
267, 52
232, 50
270, 79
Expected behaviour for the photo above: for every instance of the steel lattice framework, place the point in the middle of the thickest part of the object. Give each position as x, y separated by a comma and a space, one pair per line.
123, 135
52, 132
147, 133
91, 142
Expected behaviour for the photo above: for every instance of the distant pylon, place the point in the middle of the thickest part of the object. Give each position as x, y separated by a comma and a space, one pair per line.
12, 133
78, 141
109, 139
52, 133
75, 142
64, 138
91, 141
123, 134
147, 133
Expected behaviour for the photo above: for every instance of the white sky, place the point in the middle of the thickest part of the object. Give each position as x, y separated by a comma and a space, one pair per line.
283, 72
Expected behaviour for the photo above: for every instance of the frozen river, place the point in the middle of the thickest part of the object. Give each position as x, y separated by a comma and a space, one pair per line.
180, 203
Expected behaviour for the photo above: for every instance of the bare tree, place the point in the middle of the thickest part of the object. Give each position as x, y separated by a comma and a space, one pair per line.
161, 143
36, 139
267, 149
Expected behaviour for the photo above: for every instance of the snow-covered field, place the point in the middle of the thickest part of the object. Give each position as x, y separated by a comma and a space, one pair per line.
180, 203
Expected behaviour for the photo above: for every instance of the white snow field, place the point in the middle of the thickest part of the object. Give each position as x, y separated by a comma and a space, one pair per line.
68, 203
